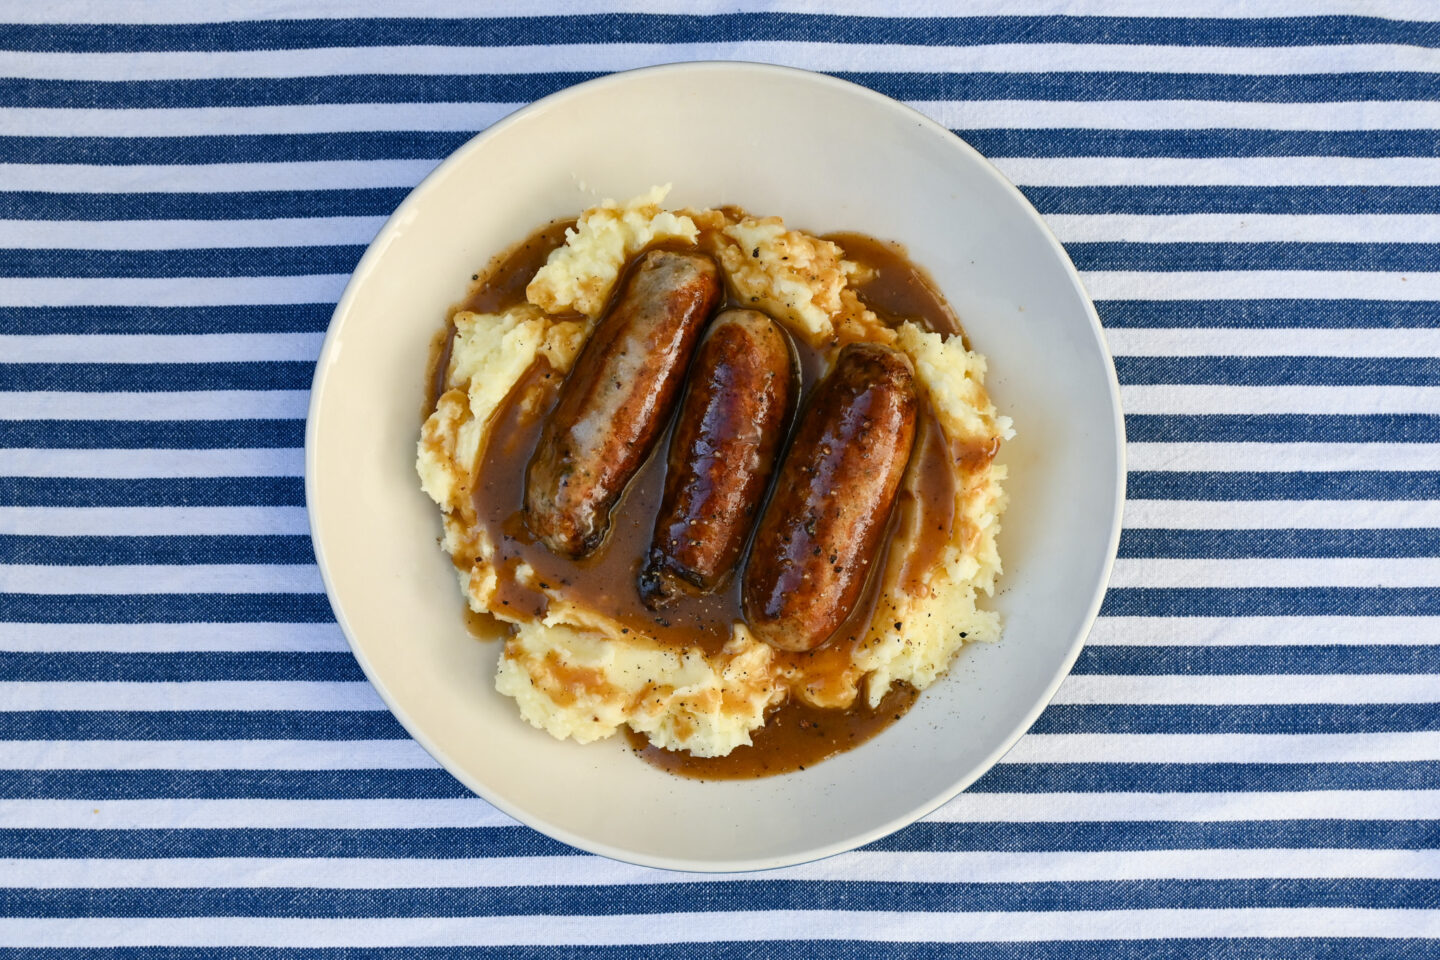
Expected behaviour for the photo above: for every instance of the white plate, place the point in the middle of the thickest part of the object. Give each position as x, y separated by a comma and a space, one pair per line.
827, 156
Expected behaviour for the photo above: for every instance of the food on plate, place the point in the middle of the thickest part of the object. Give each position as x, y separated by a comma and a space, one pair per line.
617, 400
822, 528
729, 487
727, 434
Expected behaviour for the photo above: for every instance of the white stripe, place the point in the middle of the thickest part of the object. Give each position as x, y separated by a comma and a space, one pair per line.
359, 695
199, 695
1214, 748
1232, 399
166, 348
407, 755
180, 405
1247, 689
163, 578
1026, 171
1282, 514
1104, 285
1209, 171
1284, 342
1259, 285
321, 231
151, 521
170, 637
955, 114
869, 925
606, 57
1277, 572
216, 755
171, 291
969, 807
1232, 631
1173, 114
220, 177
1241, 227
127, 464
1278, 456
349, 814
873, 867
183, 11
185, 234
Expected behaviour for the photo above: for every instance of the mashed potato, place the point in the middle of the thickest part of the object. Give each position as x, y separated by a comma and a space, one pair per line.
578, 674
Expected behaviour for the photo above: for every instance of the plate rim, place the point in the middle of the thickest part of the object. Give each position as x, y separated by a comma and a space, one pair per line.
331, 346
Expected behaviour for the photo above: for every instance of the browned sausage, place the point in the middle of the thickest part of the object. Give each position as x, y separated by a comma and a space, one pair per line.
731, 423
615, 402
821, 531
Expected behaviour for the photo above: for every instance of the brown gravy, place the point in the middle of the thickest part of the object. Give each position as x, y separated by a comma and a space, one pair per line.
796, 734
794, 737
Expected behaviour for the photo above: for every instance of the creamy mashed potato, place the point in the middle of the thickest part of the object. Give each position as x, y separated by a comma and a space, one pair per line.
578, 674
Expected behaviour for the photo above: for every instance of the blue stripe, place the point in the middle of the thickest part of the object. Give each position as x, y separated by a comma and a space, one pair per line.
341, 667
1140, 428
1240, 660
1272, 602
993, 142
152, 434
200, 725
772, 893
297, 374
247, 205
1231, 199
1204, 777
1238, 718
1082, 142
429, 784
1235, 544
1184, 948
249, 318
185, 667
455, 843
723, 28
1283, 485
380, 725
1324, 314
306, 261
156, 492
1283, 428
111, 551
1280, 371
136, 377
165, 608
380, 201
315, 317
215, 262
1121, 255
1037, 837
1090, 86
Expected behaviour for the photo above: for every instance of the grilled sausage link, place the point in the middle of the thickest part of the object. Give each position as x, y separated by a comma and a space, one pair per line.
615, 402
820, 534
732, 421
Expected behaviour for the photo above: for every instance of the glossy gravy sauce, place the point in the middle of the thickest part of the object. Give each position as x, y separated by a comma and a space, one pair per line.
795, 735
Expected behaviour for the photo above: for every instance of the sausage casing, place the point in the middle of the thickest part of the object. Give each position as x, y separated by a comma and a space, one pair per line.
821, 533
614, 404
731, 423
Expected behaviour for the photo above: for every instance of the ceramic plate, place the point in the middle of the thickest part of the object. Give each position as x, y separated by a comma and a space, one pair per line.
827, 156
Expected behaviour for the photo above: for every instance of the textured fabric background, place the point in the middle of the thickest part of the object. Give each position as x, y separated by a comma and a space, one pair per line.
1246, 759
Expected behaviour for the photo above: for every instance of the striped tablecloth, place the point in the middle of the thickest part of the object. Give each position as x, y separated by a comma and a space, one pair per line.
1247, 756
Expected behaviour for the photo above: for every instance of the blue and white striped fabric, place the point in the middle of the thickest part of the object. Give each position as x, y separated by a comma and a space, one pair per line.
1247, 758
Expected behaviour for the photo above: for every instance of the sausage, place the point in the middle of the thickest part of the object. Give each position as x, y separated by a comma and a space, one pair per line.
822, 530
732, 421
615, 403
